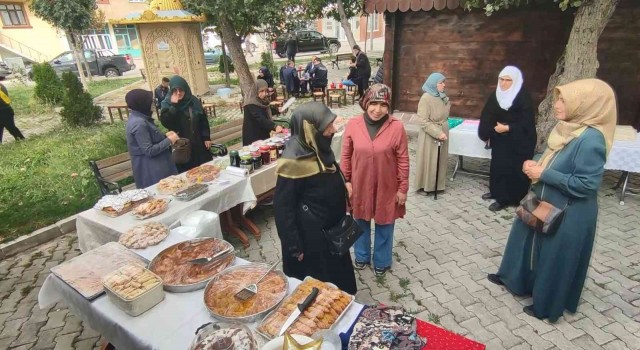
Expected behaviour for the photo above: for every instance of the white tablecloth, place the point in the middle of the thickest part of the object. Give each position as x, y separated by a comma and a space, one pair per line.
95, 229
169, 325
464, 141
625, 156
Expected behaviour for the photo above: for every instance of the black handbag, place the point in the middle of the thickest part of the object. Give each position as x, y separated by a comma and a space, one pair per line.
343, 235
181, 149
218, 150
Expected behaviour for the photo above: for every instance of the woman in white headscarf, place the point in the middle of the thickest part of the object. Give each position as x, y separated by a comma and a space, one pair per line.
507, 125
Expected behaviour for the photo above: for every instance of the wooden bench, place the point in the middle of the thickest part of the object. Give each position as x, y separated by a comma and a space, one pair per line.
340, 57
111, 170
227, 132
118, 108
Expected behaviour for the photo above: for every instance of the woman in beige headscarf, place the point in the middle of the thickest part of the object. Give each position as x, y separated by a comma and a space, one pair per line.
552, 267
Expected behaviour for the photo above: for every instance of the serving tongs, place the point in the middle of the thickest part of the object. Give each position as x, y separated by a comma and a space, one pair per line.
252, 289
207, 260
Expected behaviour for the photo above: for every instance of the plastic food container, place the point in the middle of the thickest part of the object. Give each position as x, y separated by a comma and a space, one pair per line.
224, 92
139, 304
224, 336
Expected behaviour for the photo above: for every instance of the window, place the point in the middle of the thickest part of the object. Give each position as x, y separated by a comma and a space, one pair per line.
65, 58
13, 15
89, 55
303, 35
315, 35
374, 22
328, 24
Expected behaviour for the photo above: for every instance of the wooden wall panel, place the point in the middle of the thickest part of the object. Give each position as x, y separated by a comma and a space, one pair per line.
470, 49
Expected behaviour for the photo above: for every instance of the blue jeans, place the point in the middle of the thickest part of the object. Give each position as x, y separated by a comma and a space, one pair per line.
382, 245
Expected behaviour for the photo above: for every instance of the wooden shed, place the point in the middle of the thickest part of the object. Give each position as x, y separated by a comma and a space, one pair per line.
470, 49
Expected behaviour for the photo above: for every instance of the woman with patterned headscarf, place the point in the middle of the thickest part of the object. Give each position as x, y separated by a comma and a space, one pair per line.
375, 162
508, 127
308, 177
552, 267
433, 111
182, 113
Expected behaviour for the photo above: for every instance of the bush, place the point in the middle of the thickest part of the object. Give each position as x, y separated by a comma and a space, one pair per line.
229, 64
267, 61
48, 88
78, 108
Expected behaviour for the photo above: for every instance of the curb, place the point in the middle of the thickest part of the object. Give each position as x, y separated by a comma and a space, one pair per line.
37, 237
109, 93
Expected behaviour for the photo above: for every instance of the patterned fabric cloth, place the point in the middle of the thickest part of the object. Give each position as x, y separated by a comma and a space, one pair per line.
383, 328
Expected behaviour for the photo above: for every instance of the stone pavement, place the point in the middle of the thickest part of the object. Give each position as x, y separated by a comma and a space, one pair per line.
442, 252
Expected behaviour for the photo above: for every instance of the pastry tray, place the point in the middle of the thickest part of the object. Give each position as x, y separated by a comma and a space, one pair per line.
126, 210
191, 192
285, 299
94, 265
145, 217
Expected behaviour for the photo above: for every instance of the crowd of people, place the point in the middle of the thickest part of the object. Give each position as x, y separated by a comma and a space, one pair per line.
543, 258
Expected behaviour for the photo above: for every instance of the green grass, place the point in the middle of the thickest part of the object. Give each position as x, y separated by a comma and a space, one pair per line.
47, 177
222, 80
23, 102
99, 87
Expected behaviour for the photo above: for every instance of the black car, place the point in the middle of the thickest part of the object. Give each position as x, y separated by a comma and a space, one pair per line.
308, 41
101, 62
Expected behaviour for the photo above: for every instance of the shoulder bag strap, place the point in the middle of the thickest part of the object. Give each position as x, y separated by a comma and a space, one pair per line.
346, 194
190, 131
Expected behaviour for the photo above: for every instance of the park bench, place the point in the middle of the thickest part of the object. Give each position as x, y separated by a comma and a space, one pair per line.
111, 170
227, 132
340, 57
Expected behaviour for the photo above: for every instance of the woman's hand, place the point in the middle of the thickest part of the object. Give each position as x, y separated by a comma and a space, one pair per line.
349, 189
527, 164
534, 172
207, 144
501, 128
174, 97
172, 136
278, 128
442, 137
301, 256
401, 198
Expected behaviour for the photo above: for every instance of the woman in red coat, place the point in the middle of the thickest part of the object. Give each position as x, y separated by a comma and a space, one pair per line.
375, 162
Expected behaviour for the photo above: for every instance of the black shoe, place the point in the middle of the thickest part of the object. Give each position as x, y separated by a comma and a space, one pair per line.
493, 278
381, 271
495, 206
360, 265
529, 310
487, 196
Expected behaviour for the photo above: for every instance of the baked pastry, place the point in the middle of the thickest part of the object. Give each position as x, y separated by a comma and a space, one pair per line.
172, 264
236, 338
171, 184
131, 281
151, 208
203, 173
85, 272
144, 235
220, 293
116, 205
330, 303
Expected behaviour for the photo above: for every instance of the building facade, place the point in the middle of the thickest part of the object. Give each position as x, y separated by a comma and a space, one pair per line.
362, 27
24, 35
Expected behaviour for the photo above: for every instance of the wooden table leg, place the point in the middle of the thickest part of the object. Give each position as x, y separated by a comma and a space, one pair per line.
228, 226
244, 222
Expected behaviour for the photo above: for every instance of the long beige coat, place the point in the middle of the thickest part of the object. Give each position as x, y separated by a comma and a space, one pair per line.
433, 114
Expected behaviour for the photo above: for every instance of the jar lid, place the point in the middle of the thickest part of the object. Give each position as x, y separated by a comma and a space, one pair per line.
245, 158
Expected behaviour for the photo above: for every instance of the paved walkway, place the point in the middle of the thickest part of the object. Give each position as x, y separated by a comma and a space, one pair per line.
442, 252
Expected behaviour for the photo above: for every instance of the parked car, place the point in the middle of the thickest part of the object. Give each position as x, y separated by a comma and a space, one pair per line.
308, 41
4, 70
213, 56
101, 62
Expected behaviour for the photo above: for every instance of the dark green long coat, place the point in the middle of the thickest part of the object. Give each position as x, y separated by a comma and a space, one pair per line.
552, 268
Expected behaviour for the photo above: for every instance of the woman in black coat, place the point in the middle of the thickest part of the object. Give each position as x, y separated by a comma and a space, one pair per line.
308, 176
266, 75
182, 113
507, 125
257, 123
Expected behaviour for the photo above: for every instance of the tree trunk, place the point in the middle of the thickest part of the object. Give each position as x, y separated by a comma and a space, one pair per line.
344, 22
232, 40
87, 69
76, 56
579, 60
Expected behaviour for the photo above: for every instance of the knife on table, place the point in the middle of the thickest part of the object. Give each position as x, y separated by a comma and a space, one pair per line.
299, 310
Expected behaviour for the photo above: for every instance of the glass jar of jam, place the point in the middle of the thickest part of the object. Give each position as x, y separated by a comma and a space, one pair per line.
246, 162
279, 148
257, 160
265, 154
273, 152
